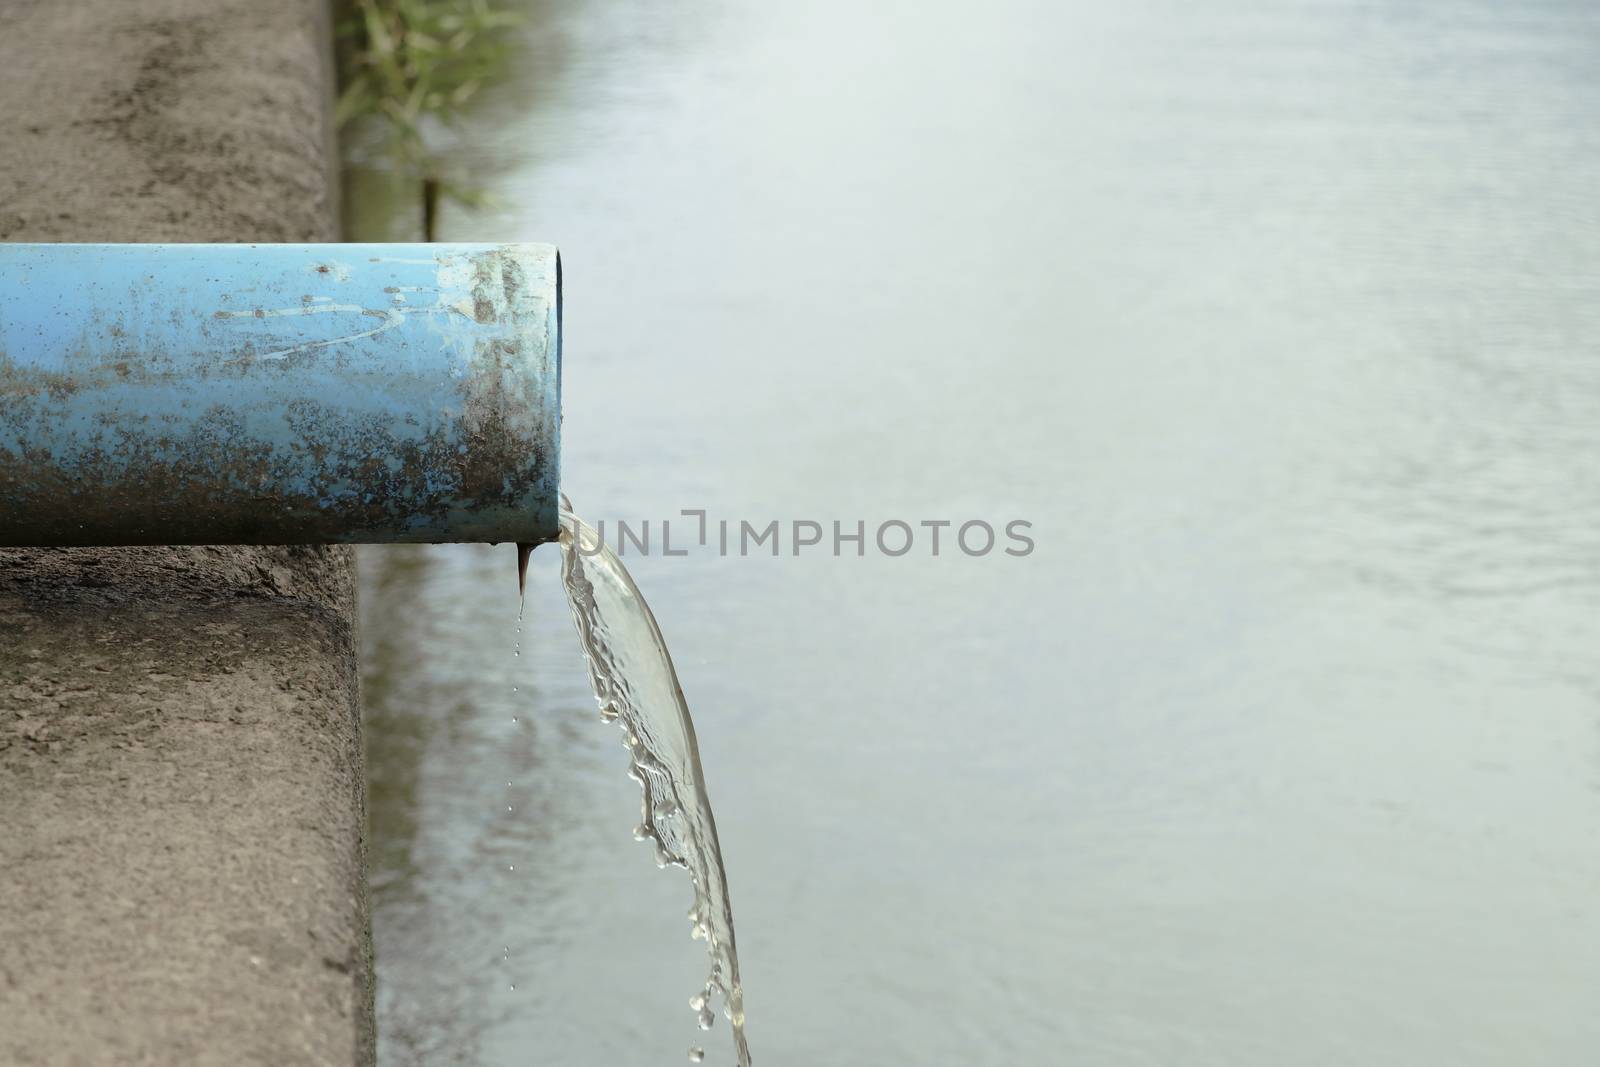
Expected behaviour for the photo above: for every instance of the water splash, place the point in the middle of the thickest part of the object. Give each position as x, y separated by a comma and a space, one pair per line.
637, 688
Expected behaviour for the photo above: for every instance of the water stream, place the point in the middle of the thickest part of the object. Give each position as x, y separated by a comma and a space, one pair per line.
638, 690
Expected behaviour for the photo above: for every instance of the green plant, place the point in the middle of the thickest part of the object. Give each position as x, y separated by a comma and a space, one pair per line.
406, 64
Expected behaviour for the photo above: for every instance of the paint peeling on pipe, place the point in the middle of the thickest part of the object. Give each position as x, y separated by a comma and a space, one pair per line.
279, 394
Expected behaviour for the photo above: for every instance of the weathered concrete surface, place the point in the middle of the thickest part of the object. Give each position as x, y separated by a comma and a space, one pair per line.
181, 866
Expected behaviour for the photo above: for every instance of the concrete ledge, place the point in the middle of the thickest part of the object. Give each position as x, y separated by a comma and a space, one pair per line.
181, 799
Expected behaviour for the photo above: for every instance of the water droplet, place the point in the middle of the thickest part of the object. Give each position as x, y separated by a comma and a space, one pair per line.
513, 689
513, 987
609, 713
706, 1017
508, 807
696, 1055
663, 857
641, 832
516, 652
511, 866
513, 720
697, 1002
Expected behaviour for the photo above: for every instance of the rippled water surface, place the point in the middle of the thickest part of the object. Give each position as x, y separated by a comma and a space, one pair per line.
1277, 320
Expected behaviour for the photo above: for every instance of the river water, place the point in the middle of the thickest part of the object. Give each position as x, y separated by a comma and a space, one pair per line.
1276, 320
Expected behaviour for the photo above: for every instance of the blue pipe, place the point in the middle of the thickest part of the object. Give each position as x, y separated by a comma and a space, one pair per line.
279, 394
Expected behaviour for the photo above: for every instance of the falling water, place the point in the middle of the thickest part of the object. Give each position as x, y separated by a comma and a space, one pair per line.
637, 688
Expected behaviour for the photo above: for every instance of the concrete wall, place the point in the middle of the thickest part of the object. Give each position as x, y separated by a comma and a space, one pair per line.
181, 807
